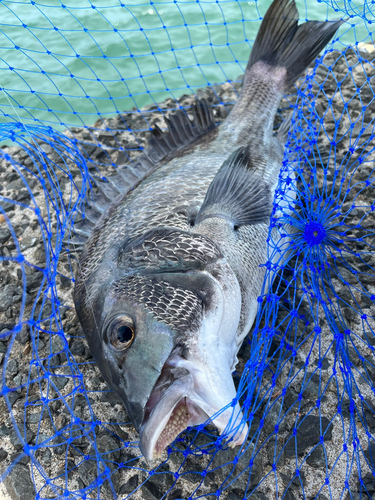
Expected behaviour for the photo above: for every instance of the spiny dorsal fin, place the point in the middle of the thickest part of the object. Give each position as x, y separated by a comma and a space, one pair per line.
237, 194
182, 132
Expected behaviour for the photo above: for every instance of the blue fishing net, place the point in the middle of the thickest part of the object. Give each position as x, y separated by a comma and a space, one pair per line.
81, 86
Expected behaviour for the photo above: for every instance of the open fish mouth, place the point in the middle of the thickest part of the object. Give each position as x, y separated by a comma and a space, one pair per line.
186, 413
169, 411
177, 402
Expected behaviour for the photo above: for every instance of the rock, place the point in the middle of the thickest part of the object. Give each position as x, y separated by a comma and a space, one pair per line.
288, 495
317, 457
60, 382
273, 416
77, 348
3, 454
308, 434
296, 482
146, 494
223, 463
33, 281
28, 241
177, 494
325, 364
12, 367
110, 397
18, 483
65, 282
88, 471
129, 486
24, 460
4, 235
275, 456
156, 485
291, 397
311, 387
13, 396
109, 446
14, 439
23, 336
6, 296
370, 454
369, 483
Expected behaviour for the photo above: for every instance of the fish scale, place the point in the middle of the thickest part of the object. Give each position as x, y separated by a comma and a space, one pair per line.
168, 281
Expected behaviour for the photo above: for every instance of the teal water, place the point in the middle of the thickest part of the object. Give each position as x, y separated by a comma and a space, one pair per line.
68, 63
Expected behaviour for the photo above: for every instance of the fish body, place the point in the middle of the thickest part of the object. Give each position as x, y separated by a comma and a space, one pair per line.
168, 280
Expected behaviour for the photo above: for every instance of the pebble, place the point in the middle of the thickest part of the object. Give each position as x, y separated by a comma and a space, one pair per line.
3, 454
317, 458
308, 434
18, 483
129, 486
6, 296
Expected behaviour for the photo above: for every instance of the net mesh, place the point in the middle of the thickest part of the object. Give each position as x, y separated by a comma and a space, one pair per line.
70, 74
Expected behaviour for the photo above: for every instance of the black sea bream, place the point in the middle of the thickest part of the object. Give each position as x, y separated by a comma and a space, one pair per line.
168, 280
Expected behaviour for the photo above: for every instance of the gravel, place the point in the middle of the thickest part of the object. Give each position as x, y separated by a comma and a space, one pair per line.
57, 405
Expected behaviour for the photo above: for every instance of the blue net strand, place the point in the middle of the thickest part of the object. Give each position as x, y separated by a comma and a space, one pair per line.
82, 84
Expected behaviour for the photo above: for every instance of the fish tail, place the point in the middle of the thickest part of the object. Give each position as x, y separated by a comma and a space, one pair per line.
281, 43
282, 51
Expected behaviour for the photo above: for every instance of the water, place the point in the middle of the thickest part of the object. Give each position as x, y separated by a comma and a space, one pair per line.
69, 64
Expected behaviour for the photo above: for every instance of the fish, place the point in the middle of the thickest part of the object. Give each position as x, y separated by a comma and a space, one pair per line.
171, 268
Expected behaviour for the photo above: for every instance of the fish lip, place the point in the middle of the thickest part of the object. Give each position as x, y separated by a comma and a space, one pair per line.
154, 423
200, 411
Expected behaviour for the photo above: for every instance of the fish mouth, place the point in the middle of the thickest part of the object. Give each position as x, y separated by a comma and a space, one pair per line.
175, 404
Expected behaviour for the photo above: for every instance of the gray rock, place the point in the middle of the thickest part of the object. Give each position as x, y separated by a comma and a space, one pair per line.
88, 471
77, 348
109, 446
273, 417
146, 494
129, 486
3, 454
177, 494
325, 363
317, 458
110, 397
12, 367
289, 495
275, 455
308, 434
13, 396
311, 387
14, 439
60, 382
4, 235
6, 296
247, 466
18, 483
370, 454
23, 336
159, 484
28, 241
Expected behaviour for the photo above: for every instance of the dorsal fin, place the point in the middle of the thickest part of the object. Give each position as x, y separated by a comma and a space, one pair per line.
162, 147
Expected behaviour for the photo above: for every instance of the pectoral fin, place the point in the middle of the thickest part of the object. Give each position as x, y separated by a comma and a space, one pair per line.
238, 193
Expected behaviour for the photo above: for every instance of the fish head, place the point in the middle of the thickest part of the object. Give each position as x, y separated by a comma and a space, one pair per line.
164, 336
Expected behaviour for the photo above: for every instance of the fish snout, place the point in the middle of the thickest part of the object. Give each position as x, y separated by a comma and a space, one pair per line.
185, 397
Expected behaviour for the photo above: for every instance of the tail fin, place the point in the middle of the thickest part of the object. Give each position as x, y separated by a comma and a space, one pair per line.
281, 42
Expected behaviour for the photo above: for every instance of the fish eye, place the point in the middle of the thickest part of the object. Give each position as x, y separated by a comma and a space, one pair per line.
121, 332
